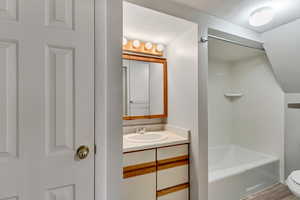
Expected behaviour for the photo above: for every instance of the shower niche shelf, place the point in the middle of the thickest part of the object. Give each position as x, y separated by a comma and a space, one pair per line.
233, 95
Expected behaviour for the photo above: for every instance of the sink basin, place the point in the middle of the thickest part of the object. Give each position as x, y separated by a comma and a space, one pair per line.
148, 137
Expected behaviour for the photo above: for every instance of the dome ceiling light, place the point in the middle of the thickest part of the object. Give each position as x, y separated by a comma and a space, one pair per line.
261, 16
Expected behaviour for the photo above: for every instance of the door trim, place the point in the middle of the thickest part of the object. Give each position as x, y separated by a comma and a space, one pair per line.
108, 99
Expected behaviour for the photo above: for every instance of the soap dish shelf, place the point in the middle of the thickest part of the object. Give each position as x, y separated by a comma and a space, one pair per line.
233, 95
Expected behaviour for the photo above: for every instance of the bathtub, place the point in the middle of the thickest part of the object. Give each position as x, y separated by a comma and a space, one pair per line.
235, 172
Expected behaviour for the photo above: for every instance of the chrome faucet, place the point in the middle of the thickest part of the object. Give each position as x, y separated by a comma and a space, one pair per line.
140, 131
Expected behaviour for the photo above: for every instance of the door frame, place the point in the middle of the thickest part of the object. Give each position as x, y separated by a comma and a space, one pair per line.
108, 14
108, 110
108, 99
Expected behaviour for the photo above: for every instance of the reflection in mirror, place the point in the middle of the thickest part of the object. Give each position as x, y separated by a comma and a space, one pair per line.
144, 87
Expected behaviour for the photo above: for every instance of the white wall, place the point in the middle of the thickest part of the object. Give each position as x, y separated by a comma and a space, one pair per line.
108, 99
292, 134
258, 117
220, 109
283, 46
182, 55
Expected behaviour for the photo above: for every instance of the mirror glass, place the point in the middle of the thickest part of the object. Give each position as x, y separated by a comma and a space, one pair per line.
144, 86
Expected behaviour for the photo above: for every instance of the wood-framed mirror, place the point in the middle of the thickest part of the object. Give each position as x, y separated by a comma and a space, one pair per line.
145, 87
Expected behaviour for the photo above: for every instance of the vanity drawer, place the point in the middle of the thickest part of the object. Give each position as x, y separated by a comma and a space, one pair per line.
166, 154
180, 192
172, 174
139, 159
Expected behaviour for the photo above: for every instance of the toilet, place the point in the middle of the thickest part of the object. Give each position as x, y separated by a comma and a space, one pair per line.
293, 182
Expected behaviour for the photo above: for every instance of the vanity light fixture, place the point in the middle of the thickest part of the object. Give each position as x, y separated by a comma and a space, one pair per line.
144, 47
261, 16
125, 41
136, 44
148, 45
160, 47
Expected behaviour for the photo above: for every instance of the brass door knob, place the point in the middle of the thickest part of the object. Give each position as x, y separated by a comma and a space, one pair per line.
82, 152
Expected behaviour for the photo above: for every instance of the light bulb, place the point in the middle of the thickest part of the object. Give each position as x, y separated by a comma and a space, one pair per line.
125, 41
160, 47
148, 45
261, 16
136, 44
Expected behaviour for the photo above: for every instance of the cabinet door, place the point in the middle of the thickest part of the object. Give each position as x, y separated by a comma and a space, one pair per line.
173, 168
141, 187
139, 175
172, 176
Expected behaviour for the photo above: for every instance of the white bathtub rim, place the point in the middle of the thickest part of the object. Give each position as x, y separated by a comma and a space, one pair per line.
240, 147
219, 174
244, 149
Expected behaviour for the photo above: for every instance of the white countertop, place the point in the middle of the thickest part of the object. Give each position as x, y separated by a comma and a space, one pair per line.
172, 139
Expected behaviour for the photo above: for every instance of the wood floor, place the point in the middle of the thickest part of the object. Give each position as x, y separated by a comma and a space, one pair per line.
276, 192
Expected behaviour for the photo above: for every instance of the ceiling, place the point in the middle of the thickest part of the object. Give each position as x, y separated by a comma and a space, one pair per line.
148, 25
238, 11
227, 52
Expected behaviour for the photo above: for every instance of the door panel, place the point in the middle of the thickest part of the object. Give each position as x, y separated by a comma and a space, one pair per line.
173, 176
8, 99
59, 14
59, 89
139, 88
8, 10
46, 99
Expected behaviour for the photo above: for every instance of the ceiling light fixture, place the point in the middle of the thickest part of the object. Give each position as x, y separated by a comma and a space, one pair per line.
160, 47
136, 44
261, 16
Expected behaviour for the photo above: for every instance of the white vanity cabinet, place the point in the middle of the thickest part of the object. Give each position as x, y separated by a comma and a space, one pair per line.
161, 173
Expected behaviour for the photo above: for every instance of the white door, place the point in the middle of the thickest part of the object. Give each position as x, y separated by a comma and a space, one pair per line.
46, 99
138, 88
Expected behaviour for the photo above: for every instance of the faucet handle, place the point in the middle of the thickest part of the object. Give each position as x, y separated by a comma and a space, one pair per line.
137, 130
143, 130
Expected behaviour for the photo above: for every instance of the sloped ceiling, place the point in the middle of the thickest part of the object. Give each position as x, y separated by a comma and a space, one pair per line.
283, 49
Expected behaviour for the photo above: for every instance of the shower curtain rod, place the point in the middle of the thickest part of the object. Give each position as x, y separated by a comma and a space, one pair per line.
203, 39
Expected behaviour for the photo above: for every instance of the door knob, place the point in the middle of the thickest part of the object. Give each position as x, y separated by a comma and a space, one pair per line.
83, 152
